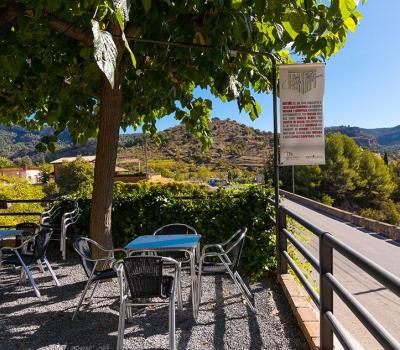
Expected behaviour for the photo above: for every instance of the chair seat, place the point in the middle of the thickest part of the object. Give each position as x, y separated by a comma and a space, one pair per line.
104, 274
214, 269
13, 259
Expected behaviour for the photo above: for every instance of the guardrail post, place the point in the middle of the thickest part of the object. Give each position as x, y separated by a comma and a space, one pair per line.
326, 292
281, 242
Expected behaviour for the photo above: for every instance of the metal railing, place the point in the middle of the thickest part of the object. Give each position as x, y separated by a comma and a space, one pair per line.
329, 285
6, 204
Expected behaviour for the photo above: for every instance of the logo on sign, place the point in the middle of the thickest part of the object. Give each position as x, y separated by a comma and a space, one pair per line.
302, 82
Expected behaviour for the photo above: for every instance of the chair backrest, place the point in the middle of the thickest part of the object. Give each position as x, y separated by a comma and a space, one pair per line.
144, 275
175, 229
42, 241
235, 247
29, 228
55, 214
81, 245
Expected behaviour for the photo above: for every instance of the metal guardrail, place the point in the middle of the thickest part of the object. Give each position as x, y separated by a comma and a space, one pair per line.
6, 204
329, 324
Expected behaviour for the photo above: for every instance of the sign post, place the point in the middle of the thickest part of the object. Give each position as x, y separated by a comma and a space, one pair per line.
301, 106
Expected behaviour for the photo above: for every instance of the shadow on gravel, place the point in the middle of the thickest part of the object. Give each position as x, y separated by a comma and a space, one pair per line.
225, 323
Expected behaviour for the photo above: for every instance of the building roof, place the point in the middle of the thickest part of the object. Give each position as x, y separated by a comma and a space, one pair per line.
71, 159
120, 170
19, 168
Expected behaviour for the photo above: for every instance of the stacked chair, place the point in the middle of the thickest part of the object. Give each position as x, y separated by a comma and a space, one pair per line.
59, 217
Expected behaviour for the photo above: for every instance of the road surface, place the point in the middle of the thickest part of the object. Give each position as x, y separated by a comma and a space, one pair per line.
379, 301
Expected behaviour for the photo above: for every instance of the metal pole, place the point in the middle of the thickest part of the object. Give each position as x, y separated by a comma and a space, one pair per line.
326, 293
276, 150
293, 179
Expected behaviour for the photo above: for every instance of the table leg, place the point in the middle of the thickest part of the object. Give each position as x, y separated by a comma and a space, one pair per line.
192, 254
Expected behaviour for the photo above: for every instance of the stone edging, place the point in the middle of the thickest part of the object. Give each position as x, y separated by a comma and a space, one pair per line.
390, 231
306, 316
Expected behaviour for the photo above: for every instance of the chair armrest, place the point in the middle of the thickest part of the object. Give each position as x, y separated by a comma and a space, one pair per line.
208, 246
26, 240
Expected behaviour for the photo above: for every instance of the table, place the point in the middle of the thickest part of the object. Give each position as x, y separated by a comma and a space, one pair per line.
183, 243
9, 234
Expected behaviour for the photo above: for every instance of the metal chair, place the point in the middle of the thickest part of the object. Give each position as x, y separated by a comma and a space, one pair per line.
176, 229
142, 277
228, 265
82, 247
59, 217
41, 242
29, 229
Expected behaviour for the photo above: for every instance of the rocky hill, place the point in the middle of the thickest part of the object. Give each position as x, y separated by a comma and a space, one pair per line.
380, 139
233, 143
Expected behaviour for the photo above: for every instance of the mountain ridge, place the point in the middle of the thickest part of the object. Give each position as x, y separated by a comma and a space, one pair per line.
233, 143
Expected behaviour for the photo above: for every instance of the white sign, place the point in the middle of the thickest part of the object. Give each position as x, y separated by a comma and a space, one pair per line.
302, 128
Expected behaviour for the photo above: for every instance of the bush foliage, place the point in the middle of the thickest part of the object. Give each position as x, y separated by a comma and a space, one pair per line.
139, 209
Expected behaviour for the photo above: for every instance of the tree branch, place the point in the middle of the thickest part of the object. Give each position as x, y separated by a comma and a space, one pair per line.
70, 29
5, 95
11, 13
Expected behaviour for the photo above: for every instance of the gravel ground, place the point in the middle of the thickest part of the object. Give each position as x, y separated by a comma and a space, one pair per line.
224, 322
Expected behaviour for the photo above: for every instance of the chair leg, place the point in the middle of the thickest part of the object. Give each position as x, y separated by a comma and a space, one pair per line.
93, 290
121, 323
238, 284
40, 265
63, 247
82, 297
172, 345
22, 276
53, 275
240, 280
179, 283
28, 273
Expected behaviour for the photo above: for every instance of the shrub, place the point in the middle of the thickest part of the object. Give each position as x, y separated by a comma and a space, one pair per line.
139, 209
76, 177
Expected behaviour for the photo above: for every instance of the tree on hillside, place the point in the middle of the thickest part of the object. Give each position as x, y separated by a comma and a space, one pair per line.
339, 174
375, 185
76, 177
70, 64
23, 162
394, 168
5, 163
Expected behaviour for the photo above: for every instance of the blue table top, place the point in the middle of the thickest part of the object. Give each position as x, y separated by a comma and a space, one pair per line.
10, 233
164, 242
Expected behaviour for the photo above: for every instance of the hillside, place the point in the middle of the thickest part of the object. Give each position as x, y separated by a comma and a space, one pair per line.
380, 139
233, 143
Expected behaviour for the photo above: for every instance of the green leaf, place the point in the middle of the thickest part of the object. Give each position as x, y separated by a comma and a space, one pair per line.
146, 5
350, 24
105, 51
289, 29
236, 4
124, 7
346, 7
133, 58
120, 18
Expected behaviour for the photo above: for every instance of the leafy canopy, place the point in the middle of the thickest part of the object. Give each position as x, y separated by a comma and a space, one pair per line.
52, 53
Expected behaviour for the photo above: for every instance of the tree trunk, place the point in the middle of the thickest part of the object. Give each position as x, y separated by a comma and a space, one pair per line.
106, 154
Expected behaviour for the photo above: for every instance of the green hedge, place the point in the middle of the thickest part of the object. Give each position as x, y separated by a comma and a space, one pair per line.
139, 209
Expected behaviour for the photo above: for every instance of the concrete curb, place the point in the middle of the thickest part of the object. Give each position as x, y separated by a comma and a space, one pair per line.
306, 316
390, 231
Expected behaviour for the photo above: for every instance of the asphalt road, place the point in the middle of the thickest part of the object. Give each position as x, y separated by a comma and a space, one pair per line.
379, 301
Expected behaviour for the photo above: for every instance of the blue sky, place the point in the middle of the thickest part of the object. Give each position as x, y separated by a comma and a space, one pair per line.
362, 86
